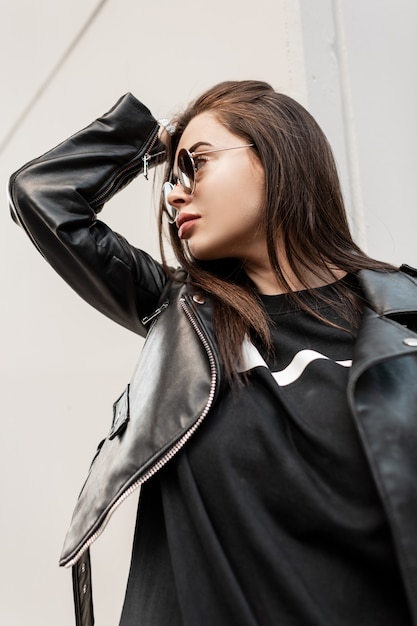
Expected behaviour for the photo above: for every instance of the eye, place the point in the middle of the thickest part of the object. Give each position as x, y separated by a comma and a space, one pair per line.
199, 161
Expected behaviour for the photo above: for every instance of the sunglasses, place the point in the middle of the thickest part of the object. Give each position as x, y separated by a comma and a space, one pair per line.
187, 172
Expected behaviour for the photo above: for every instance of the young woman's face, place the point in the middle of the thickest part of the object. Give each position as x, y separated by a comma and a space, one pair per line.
221, 218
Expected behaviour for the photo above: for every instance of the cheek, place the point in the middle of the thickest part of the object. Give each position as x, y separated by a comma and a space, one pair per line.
249, 199
244, 189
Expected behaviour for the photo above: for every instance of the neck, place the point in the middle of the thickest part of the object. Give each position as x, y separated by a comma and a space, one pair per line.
267, 282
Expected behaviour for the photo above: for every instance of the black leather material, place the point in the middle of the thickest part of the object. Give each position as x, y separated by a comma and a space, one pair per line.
83, 595
56, 198
157, 419
382, 393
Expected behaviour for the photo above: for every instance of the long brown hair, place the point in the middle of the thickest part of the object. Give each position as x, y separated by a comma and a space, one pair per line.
303, 206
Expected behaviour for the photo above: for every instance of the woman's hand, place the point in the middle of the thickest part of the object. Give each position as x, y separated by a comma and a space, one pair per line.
166, 129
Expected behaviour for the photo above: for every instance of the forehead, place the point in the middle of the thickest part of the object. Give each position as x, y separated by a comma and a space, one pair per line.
205, 127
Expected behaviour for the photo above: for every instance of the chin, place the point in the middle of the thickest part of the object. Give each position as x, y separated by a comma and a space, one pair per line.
202, 253
206, 255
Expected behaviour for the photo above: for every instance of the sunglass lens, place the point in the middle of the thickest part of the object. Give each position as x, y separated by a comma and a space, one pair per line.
170, 210
186, 171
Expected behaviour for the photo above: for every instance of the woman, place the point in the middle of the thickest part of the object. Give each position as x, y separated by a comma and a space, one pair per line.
270, 421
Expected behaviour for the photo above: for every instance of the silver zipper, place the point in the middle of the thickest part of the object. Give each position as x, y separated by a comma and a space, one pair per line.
147, 157
131, 167
171, 452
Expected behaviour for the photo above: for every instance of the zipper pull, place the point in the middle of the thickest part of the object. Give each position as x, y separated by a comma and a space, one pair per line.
155, 314
146, 158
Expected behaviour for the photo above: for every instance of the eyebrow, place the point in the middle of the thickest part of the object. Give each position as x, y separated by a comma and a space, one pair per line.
199, 144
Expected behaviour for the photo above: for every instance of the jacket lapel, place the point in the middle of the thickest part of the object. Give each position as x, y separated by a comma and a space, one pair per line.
382, 394
389, 293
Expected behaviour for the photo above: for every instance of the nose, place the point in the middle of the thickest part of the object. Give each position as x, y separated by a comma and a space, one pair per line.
177, 197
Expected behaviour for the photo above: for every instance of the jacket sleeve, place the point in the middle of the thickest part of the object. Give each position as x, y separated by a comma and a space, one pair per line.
56, 198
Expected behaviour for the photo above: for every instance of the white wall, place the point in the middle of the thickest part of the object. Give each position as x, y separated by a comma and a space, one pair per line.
382, 50
63, 364
362, 88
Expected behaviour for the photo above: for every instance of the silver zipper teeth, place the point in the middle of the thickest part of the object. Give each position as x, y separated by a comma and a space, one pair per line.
147, 157
171, 452
110, 186
132, 166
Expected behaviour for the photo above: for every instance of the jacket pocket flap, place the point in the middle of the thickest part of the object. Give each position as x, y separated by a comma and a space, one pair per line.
120, 414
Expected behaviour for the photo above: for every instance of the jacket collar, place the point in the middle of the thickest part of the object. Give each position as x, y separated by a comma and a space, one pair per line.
390, 297
389, 293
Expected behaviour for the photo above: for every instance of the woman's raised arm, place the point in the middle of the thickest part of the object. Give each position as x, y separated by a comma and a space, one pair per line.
56, 198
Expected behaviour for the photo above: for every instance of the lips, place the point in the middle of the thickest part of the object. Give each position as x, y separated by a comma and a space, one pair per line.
185, 221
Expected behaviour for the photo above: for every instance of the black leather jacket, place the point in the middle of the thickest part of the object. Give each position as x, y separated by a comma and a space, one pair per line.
56, 198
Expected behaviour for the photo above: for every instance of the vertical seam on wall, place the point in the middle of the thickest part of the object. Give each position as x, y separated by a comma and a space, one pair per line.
349, 127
